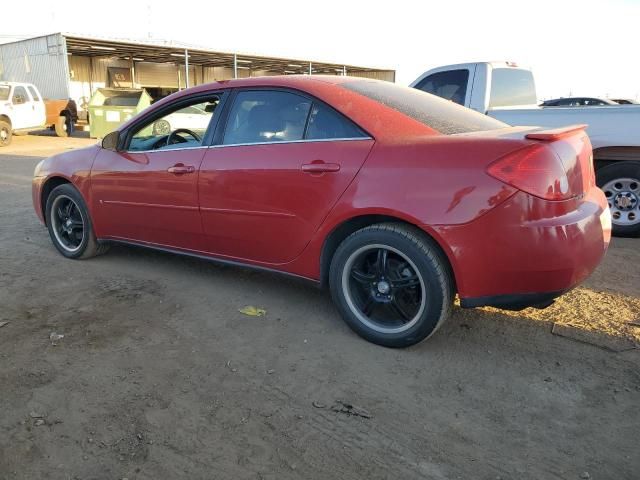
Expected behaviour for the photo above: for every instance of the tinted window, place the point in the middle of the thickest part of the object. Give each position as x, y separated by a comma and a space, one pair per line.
33, 93
266, 116
439, 114
325, 123
450, 85
4, 92
19, 95
158, 134
511, 86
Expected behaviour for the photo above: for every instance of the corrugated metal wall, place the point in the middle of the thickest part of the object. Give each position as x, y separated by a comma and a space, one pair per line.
388, 75
41, 61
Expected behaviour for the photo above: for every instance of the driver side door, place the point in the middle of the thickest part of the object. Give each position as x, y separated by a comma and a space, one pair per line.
147, 193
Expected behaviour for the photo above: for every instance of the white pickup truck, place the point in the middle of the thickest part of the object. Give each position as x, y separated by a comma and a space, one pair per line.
507, 92
21, 109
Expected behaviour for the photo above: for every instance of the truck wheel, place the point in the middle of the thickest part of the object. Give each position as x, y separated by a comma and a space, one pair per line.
61, 126
621, 185
5, 133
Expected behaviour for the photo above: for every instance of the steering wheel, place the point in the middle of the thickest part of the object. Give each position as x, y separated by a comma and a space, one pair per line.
173, 137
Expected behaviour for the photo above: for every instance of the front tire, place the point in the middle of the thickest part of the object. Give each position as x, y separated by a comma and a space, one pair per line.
391, 284
5, 133
69, 224
620, 182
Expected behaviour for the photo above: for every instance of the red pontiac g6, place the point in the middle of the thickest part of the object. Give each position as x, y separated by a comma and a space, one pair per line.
395, 199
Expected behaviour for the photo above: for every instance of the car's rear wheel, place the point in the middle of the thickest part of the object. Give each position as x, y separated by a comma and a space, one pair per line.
5, 133
391, 284
69, 224
620, 183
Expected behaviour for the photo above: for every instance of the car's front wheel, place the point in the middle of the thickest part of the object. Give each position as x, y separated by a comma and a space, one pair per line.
69, 224
5, 133
391, 284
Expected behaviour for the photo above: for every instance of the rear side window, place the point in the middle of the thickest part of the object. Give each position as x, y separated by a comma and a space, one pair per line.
260, 116
325, 123
450, 85
511, 86
442, 115
34, 94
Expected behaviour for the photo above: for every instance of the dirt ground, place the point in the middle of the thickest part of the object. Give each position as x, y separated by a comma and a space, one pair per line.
158, 376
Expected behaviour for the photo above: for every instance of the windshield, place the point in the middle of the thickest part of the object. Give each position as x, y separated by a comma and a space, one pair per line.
442, 115
4, 92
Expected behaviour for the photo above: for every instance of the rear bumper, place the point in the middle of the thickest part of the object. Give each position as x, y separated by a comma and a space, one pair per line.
513, 301
527, 251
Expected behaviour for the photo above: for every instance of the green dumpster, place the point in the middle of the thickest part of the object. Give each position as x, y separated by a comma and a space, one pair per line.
111, 107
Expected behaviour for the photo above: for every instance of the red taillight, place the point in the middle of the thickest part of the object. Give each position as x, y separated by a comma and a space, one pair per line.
536, 170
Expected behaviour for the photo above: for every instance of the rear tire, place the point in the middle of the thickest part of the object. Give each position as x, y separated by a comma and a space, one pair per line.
620, 182
5, 133
69, 224
392, 284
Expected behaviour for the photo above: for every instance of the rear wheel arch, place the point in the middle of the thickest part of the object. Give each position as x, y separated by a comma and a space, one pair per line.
47, 188
343, 230
605, 156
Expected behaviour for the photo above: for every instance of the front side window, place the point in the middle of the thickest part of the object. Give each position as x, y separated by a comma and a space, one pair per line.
450, 85
261, 116
183, 127
4, 92
19, 96
34, 94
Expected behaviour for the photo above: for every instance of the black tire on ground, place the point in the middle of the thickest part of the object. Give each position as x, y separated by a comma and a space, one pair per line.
61, 126
620, 182
5, 133
69, 224
394, 299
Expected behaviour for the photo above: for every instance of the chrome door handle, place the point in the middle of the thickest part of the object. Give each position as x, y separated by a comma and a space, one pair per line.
320, 167
181, 169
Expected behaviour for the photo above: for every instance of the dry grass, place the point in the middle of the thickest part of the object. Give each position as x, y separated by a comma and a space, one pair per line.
589, 310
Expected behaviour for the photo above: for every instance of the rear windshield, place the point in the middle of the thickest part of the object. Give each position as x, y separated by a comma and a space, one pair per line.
4, 92
512, 86
442, 115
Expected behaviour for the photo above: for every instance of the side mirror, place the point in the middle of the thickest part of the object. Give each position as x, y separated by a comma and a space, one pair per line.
111, 141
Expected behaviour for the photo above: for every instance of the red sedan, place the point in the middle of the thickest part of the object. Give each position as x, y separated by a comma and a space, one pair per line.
395, 199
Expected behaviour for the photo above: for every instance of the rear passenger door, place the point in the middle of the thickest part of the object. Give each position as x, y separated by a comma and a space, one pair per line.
39, 113
273, 174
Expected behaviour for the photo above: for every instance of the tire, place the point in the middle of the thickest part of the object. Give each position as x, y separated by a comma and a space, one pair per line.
161, 127
61, 126
620, 182
5, 133
69, 224
404, 304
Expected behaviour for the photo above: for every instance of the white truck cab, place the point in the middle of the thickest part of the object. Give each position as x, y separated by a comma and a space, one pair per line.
21, 109
507, 92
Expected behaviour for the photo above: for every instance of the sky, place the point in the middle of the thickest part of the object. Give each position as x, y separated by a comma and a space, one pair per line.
583, 47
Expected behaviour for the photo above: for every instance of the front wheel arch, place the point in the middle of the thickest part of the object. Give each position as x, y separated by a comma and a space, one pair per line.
47, 188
